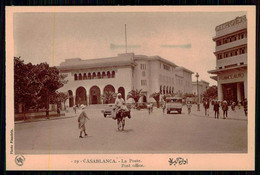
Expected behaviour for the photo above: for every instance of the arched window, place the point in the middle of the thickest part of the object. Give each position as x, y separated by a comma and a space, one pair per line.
103, 74
75, 77
98, 75
89, 75
113, 74
80, 77
94, 75
84, 76
108, 74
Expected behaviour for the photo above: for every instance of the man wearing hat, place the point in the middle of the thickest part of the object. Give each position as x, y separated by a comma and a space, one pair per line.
225, 109
120, 104
82, 120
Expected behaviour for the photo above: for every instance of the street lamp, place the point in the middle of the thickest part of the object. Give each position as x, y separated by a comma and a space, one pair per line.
197, 76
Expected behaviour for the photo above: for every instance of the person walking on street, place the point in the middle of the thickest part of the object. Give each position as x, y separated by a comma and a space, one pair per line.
163, 105
58, 111
216, 109
189, 106
47, 113
75, 108
82, 120
225, 109
233, 105
206, 106
239, 104
245, 106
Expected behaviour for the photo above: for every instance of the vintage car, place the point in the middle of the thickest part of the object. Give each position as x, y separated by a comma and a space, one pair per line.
108, 110
173, 104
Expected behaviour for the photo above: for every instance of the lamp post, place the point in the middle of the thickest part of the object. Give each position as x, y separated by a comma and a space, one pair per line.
197, 76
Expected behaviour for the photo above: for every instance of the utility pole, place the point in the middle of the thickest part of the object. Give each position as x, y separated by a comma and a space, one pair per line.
197, 76
125, 40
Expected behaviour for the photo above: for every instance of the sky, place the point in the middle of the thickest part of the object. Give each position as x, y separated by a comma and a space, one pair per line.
184, 38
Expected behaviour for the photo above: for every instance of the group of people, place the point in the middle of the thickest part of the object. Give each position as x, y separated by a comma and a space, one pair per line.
217, 105
224, 106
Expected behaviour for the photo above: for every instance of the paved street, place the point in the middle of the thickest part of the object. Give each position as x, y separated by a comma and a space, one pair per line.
158, 132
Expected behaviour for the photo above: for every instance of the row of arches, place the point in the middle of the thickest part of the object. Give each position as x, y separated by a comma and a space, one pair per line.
166, 89
94, 75
95, 96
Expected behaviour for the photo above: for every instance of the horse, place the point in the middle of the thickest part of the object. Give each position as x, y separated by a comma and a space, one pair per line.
120, 116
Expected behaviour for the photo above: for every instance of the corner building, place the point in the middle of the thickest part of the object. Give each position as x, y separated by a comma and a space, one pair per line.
231, 59
87, 80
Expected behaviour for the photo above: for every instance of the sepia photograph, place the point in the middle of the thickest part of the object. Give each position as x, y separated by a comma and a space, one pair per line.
114, 87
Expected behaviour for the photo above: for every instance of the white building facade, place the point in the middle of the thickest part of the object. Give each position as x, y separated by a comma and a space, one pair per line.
231, 59
88, 80
201, 86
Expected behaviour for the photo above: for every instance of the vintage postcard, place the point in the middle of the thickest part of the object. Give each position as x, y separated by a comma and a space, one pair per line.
130, 88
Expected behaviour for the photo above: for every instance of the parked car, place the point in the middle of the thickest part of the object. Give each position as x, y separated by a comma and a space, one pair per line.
108, 110
173, 104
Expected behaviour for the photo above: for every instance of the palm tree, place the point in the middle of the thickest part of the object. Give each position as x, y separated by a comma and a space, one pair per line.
135, 94
156, 96
108, 97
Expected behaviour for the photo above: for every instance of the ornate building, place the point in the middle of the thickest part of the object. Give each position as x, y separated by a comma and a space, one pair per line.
231, 59
88, 80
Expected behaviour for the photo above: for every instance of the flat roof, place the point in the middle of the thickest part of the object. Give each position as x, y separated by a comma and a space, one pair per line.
125, 59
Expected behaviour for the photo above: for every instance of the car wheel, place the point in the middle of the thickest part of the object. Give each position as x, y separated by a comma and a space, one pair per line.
105, 115
179, 111
168, 112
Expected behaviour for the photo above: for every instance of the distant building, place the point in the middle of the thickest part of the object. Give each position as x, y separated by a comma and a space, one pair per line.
231, 59
89, 79
202, 87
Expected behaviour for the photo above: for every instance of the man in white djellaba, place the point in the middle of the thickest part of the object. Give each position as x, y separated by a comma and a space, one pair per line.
120, 105
82, 120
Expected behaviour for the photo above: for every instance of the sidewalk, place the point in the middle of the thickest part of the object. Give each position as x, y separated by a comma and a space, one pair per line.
238, 114
64, 115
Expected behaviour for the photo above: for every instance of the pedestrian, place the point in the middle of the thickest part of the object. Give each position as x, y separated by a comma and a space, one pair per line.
216, 109
206, 106
82, 120
75, 108
163, 105
245, 106
225, 109
47, 113
233, 105
239, 104
58, 111
189, 105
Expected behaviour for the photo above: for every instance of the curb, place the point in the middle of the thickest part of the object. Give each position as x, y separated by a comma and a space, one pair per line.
42, 120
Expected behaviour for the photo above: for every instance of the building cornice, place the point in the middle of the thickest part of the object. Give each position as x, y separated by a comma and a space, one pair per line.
238, 67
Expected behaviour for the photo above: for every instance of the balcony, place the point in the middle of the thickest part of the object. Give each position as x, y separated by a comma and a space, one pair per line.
232, 60
231, 44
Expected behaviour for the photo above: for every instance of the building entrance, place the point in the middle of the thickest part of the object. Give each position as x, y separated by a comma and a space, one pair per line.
233, 92
94, 96
81, 96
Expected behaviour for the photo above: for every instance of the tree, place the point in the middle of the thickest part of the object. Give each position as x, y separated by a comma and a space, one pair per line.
59, 97
108, 97
156, 96
49, 81
25, 88
34, 85
135, 95
211, 92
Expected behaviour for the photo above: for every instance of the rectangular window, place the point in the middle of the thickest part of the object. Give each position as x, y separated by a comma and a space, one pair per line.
143, 82
166, 67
